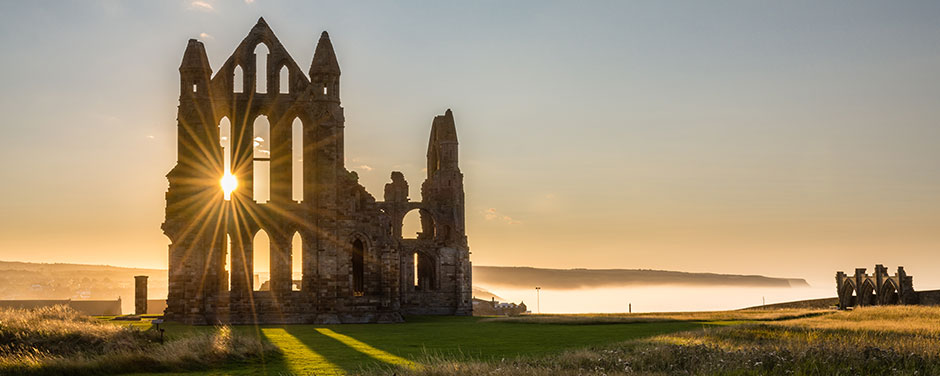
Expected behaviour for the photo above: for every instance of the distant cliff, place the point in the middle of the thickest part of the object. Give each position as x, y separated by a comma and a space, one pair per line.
526, 277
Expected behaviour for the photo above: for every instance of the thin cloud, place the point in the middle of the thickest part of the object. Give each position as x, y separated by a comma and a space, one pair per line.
249, 1
492, 215
206, 36
366, 167
201, 5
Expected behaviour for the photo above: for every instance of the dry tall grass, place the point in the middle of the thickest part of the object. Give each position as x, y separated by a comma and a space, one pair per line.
898, 340
58, 340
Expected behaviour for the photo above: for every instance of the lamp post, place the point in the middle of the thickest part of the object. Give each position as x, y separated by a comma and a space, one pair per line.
538, 307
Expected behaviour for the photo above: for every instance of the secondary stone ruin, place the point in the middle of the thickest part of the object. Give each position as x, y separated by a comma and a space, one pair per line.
862, 289
356, 266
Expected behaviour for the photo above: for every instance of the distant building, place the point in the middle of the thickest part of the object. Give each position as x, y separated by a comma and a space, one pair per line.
495, 308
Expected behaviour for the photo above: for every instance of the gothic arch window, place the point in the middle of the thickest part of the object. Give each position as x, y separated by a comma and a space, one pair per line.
296, 261
261, 261
261, 68
238, 80
261, 159
225, 141
414, 269
284, 80
358, 251
227, 268
297, 160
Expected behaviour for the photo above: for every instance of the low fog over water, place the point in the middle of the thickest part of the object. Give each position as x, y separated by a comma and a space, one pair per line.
655, 298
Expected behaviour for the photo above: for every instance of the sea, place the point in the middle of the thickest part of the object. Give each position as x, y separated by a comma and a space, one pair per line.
655, 298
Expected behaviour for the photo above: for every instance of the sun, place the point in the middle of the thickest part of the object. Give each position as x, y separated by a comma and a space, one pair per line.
229, 183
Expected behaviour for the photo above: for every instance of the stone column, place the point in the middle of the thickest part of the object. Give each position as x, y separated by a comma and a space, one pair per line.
140, 295
281, 278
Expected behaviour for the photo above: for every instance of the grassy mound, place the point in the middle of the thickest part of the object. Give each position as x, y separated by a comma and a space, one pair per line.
58, 340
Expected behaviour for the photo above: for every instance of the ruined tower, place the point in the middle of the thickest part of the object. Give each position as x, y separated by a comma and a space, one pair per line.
241, 135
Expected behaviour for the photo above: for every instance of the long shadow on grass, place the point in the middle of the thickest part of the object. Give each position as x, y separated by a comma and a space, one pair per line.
328, 352
467, 339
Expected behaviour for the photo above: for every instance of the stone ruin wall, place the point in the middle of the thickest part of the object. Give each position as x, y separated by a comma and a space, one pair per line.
356, 265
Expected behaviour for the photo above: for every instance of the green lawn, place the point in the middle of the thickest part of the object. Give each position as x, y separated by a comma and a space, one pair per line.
339, 349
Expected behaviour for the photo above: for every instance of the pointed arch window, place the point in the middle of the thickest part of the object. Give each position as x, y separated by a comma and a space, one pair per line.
261, 261
358, 267
261, 68
297, 266
261, 159
225, 141
284, 80
238, 80
297, 160
414, 269
227, 269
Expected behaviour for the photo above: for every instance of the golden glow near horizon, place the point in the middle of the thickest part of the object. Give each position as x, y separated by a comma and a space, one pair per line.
622, 140
229, 183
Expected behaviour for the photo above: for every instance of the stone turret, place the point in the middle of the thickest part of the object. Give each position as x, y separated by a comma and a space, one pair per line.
443, 189
324, 71
195, 71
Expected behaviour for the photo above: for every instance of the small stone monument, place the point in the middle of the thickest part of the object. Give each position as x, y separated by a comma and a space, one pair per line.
140, 295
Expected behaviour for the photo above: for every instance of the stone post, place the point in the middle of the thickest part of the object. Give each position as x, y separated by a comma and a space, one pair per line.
140, 295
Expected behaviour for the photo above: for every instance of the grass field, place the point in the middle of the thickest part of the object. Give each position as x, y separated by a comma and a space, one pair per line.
892, 340
873, 341
351, 348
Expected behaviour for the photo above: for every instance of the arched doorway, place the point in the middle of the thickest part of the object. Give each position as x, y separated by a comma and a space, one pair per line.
866, 294
889, 294
847, 295
261, 261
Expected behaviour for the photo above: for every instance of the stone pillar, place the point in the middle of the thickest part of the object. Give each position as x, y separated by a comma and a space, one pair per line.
281, 278
140, 295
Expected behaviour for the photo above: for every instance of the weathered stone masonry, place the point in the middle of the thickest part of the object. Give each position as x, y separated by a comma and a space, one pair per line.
356, 265
881, 288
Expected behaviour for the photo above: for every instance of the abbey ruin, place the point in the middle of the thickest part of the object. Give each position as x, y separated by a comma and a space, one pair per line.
862, 289
355, 265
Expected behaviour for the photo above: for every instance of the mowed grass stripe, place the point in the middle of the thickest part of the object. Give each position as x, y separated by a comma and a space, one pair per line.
300, 358
364, 348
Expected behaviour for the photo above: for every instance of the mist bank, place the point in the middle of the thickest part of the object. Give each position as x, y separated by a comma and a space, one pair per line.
565, 279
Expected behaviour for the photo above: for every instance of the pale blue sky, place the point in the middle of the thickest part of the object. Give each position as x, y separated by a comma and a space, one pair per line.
790, 138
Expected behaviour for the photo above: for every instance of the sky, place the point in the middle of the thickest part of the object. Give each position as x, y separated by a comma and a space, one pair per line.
788, 139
